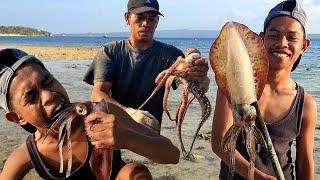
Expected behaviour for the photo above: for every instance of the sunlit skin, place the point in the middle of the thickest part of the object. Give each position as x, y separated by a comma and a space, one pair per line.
284, 41
142, 27
35, 94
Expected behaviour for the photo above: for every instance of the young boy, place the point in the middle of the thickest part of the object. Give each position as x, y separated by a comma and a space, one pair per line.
30, 95
289, 112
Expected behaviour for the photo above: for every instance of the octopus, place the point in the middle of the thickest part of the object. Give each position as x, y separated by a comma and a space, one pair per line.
240, 64
176, 73
100, 159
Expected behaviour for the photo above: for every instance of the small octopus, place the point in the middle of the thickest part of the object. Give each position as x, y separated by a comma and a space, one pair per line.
177, 73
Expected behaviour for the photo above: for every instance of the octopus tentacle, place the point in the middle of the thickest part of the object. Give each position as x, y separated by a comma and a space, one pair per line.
169, 83
178, 71
182, 112
168, 73
205, 108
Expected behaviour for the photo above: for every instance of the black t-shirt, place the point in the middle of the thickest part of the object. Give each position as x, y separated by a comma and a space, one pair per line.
132, 72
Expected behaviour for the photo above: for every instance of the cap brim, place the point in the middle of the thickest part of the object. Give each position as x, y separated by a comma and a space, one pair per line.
143, 9
295, 65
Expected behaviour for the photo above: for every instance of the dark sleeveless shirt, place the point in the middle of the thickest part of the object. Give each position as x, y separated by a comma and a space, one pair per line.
282, 134
83, 172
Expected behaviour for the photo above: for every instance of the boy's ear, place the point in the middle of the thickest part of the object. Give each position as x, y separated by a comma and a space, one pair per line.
306, 44
14, 117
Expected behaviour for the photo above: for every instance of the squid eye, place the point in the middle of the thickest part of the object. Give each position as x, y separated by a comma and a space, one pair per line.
81, 110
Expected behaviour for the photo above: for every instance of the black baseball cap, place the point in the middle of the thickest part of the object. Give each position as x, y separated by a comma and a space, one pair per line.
292, 9
140, 6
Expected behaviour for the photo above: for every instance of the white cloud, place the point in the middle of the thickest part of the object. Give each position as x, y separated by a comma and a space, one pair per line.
313, 14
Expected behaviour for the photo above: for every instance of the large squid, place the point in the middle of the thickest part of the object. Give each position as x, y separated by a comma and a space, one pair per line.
177, 73
240, 64
101, 159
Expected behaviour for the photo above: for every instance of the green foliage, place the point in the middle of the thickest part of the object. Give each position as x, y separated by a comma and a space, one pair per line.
27, 31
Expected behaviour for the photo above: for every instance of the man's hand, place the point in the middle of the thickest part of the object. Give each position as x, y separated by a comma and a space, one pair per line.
144, 118
198, 72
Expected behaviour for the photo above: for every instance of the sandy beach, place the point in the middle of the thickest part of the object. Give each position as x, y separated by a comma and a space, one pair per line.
68, 64
57, 53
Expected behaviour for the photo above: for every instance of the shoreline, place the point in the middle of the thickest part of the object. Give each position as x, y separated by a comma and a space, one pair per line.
56, 52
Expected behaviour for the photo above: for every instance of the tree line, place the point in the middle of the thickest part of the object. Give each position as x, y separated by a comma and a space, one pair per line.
20, 30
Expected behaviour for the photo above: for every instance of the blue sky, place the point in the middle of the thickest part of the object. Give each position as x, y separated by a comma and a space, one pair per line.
82, 16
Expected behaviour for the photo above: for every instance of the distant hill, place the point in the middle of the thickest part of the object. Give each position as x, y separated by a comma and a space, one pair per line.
179, 33
22, 31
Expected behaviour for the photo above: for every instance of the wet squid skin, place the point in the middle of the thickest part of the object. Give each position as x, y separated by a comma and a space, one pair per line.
176, 73
244, 116
240, 64
100, 159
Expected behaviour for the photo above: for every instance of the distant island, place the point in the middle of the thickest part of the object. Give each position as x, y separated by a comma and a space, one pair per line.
177, 33
22, 31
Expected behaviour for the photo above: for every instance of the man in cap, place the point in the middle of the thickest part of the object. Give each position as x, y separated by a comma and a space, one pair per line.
289, 112
124, 72
31, 96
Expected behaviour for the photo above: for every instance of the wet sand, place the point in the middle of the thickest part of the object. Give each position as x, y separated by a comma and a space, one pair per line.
57, 53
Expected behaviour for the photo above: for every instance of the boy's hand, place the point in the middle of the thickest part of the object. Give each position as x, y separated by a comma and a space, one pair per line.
108, 133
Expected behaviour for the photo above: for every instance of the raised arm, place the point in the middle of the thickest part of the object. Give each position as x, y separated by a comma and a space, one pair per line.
17, 165
102, 90
305, 140
222, 121
119, 131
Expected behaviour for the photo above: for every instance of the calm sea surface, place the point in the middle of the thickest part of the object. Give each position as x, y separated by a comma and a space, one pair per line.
307, 74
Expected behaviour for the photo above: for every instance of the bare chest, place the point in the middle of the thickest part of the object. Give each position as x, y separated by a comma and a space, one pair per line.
275, 107
50, 153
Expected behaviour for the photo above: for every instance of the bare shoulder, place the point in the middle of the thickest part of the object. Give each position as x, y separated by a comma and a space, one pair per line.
309, 112
17, 164
309, 100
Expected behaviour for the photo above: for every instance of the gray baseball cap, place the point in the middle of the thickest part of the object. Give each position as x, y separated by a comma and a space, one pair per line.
140, 6
288, 8
10, 61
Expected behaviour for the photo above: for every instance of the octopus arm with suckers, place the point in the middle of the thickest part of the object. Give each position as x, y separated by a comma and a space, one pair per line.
177, 73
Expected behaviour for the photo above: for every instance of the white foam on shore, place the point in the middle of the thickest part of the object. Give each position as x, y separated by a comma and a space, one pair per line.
11, 35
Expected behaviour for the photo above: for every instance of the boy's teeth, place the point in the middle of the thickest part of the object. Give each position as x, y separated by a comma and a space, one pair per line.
280, 54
